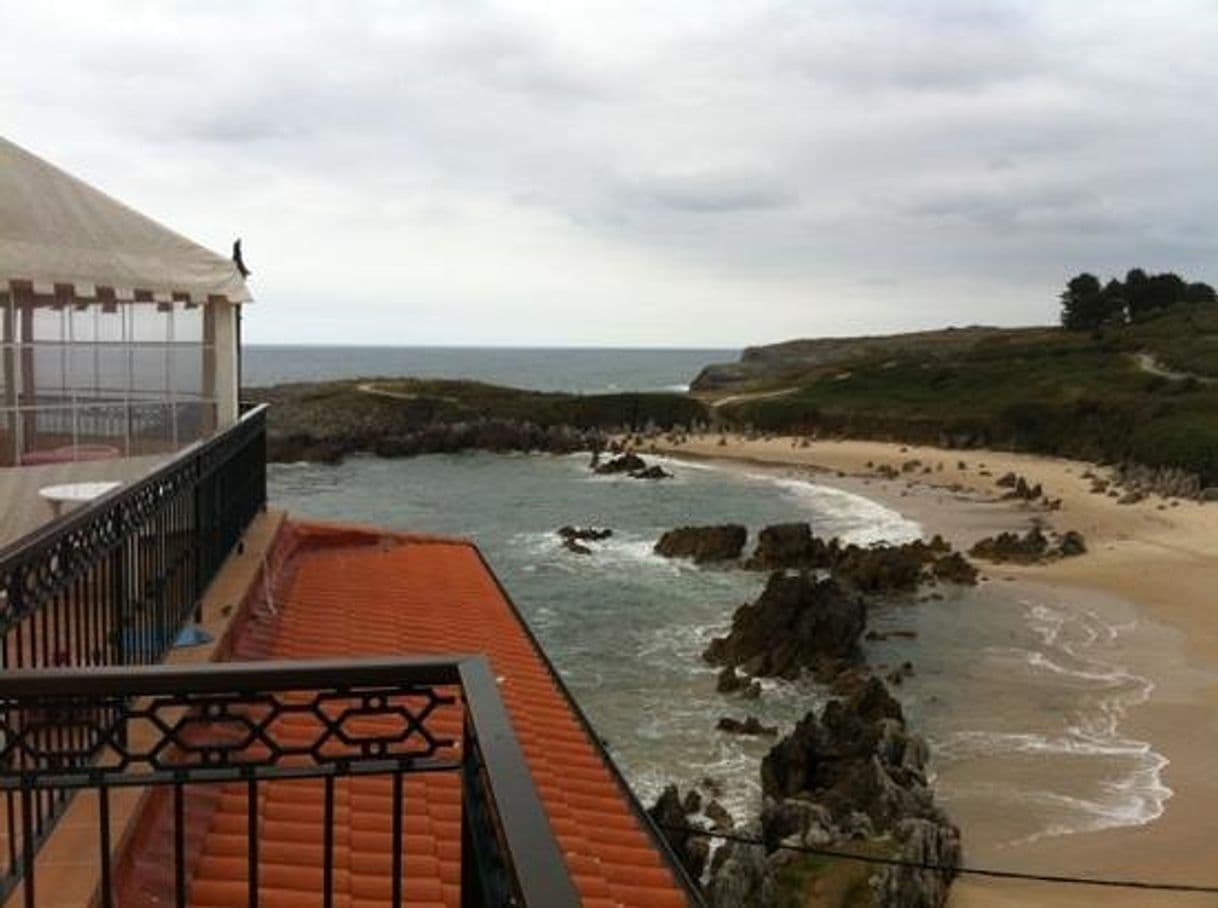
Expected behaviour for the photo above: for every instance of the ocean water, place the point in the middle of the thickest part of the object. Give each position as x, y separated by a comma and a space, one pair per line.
584, 370
1021, 695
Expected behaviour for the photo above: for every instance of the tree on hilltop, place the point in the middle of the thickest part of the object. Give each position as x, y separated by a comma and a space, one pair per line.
1086, 306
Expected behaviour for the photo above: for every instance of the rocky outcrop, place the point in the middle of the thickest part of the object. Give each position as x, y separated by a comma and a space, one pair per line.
1034, 547
655, 471
671, 815
751, 725
870, 569
628, 462
798, 622
573, 538
723, 542
729, 681
788, 545
853, 773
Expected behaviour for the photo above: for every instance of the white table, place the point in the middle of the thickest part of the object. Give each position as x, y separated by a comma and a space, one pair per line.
75, 493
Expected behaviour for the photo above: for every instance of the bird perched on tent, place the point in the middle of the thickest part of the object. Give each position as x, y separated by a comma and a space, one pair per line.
237, 260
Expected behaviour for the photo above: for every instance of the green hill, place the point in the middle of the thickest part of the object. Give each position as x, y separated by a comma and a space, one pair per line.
1146, 392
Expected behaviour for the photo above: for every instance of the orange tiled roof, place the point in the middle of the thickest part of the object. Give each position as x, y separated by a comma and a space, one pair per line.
347, 592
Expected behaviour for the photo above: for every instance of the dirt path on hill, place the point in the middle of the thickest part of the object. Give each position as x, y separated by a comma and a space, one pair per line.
1149, 364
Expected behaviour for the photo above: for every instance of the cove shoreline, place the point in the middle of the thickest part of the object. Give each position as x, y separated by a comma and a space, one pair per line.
1161, 559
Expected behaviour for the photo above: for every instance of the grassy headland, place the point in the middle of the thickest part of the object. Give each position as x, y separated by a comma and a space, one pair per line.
1140, 392
403, 416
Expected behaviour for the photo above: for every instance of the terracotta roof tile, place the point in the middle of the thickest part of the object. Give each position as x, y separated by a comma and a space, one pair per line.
351, 592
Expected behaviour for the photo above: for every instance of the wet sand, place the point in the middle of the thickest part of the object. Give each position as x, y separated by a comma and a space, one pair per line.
1161, 557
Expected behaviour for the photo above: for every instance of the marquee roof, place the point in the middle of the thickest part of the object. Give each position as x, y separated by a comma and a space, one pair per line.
56, 229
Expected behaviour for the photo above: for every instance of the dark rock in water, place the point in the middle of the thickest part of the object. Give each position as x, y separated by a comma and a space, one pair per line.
591, 534
623, 463
692, 802
575, 546
788, 545
853, 773
872, 569
750, 726
721, 820
707, 543
797, 623
671, 818
729, 682
655, 471
857, 756
1007, 481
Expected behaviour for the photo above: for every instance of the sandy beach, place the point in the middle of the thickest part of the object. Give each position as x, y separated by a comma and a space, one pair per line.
1160, 555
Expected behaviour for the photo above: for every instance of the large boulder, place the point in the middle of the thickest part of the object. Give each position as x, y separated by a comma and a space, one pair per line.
671, 817
856, 757
882, 568
921, 842
628, 462
789, 545
723, 542
797, 623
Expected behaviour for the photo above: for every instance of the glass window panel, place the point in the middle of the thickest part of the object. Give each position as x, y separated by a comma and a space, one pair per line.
187, 365
149, 325
82, 367
187, 324
102, 426
112, 370
111, 325
151, 428
196, 420
50, 370
50, 325
83, 323
150, 372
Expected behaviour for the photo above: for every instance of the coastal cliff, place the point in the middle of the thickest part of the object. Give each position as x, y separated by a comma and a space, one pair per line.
1143, 393
326, 421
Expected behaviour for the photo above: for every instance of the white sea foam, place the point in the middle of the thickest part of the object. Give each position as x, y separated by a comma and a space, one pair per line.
855, 518
1074, 645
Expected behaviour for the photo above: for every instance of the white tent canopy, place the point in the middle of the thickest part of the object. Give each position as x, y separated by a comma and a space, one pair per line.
55, 229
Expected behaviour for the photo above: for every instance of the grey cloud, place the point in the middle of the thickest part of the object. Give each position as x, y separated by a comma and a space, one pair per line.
498, 159
713, 193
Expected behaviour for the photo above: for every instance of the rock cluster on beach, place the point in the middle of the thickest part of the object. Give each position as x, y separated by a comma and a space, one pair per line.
852, 776
1034, 547
793, 546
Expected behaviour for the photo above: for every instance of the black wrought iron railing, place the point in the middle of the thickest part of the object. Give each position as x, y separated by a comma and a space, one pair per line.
113, 582
243, 726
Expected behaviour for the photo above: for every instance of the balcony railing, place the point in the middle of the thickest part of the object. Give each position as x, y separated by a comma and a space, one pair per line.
113, 582
175, 729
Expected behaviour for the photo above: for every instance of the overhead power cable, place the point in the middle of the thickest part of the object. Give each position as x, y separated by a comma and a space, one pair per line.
945, 868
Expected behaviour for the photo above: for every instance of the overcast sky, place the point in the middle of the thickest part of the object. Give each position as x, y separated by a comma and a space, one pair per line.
651, 174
